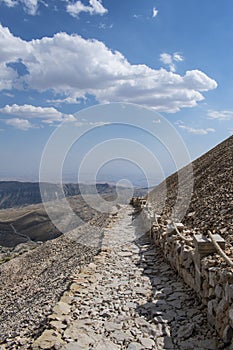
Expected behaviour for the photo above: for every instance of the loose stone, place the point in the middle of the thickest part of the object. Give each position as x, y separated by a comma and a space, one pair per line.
127, 299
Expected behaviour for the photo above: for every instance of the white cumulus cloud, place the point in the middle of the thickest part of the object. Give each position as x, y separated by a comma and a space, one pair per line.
95, 8
47, 115
195, 131
170, 59
21, 124
198, 80
166, 58
220, 115
178, 57
74, 68
30, 6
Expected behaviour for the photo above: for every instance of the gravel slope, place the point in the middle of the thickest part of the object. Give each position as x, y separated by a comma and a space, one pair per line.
211, 206
32, 283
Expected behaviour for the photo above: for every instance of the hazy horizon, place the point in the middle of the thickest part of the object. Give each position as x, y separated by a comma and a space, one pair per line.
57, 63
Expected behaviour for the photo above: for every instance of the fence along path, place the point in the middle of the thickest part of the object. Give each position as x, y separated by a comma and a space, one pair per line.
127, 298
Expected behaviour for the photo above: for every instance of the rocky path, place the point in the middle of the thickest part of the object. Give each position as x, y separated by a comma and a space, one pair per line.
128, 298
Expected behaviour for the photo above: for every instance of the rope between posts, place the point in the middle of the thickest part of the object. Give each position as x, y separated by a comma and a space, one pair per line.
187, 241
216, 245
219, 250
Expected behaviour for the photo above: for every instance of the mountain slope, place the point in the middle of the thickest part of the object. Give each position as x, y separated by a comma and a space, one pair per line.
211, 205
32, 222
18, 194
33, 282
15, 193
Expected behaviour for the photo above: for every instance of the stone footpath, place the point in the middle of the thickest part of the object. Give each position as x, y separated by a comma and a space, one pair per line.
128, 298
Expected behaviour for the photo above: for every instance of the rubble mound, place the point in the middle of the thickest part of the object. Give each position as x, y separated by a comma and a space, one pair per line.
211, 204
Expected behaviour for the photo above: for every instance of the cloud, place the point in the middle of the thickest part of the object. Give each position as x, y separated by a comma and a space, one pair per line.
105, 26
168, 59
220, 115
75, 68
85, 122
9, 3
137, 16
47, 115
68, 100
177, 57
95, 8
198, 80
154, 12
21, 124
30, 6
7, 77
192, 130
8, 94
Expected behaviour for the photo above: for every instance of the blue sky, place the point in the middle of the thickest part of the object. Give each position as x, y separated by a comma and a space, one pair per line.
58, 57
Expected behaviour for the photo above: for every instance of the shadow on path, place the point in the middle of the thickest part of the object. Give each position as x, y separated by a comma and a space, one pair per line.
176, 315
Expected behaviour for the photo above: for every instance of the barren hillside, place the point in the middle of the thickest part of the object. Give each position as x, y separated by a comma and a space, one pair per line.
31, 283
211, 205
33, 222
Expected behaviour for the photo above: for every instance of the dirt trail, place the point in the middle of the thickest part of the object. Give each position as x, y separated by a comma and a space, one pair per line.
129, 298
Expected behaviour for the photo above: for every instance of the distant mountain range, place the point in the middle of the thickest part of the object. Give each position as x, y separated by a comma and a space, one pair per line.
24, 218
17, 194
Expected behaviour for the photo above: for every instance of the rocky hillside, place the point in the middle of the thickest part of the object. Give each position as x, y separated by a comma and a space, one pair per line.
31, 283
23, 221
32, 222
211, 205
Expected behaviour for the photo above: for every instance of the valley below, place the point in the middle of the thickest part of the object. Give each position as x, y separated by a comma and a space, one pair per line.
39, 263
25, 226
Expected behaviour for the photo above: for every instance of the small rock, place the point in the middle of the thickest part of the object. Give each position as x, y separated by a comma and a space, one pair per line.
111, 326
142, 291
125, 254
186, 331
58, 325
147, 343
47, 340
106, 345
227, 334
72, 346
134, 346
231, 317
120, 336
78, 334
61, 308
92, 266
209, 344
